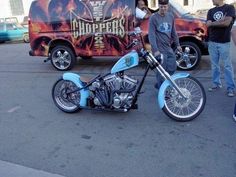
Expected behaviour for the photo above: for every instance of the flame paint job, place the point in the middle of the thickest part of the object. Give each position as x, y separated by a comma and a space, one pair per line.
92, 27
185, 27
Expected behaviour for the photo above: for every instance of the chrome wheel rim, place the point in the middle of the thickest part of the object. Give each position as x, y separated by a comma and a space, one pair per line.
189, 60
179, 106
64, 100
61, 59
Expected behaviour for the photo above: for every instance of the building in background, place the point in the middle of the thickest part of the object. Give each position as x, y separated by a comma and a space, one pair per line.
195, 5
191, 5
15, 8
20, 8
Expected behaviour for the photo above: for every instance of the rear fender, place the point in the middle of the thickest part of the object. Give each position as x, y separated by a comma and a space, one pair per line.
165, 84
75, 78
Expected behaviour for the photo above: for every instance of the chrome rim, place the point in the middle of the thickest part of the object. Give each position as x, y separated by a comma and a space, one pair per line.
61, 59
184, 107
189, 60
64, 100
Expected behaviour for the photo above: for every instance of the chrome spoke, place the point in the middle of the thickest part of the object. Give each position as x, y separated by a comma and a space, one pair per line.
179, 106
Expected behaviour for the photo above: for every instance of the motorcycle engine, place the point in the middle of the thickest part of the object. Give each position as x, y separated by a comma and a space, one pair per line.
115, 89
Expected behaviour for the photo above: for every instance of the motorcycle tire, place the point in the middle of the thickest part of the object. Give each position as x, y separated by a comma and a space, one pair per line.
184, 109
67, 102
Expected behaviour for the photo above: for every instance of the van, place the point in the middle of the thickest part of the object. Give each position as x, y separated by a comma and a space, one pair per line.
63, 30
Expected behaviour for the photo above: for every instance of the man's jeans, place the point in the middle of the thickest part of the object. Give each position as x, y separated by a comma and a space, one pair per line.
169, 65
221, 51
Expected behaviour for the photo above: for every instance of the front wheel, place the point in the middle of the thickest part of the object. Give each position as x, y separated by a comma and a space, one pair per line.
64, 98
188, 108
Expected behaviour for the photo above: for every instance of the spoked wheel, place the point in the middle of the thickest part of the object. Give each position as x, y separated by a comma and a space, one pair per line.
63, 99
185, 109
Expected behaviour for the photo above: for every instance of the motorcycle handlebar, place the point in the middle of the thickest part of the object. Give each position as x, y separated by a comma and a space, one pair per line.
136, 33
132, 44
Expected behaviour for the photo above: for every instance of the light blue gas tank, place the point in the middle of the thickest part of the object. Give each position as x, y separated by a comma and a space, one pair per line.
128, 61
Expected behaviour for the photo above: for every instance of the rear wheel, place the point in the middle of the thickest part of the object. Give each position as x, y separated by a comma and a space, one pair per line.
63, 99
185, 109
63, 58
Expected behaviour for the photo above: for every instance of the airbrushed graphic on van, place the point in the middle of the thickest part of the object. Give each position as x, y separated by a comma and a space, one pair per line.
99, 28
81, 26
92, 27
99, 25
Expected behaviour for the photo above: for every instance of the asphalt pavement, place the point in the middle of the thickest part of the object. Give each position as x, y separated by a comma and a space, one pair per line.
38, 140
13, 170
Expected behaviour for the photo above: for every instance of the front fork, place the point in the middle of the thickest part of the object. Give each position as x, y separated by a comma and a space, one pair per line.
165, 74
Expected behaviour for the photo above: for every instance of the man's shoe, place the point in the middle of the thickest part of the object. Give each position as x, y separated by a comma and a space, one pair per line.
230, 93
214, 87
234, 117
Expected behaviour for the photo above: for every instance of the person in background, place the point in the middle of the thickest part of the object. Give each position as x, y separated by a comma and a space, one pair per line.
219, 22
142, 11
234, 114
162, 33
233, 34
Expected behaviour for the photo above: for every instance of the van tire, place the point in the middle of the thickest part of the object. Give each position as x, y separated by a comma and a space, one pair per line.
195, 54
62, 58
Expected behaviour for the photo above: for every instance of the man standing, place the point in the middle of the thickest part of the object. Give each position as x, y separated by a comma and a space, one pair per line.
142, 11
162, 33
233, 34
219, 22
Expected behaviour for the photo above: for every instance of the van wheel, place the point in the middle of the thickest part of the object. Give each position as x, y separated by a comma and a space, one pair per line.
62, 58
26, 38
189, 59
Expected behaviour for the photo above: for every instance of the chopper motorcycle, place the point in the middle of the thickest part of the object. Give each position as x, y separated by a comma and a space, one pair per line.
181, 96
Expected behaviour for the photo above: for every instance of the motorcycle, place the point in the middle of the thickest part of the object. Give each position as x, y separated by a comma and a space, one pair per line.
181, 96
